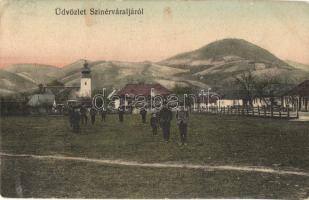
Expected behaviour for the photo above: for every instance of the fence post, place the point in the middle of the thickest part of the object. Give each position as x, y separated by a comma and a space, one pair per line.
259, 113
271, 111
280, 112
252, 111
264, 111
288, 112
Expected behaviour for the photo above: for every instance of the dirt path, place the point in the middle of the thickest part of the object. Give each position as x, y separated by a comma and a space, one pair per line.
162, 165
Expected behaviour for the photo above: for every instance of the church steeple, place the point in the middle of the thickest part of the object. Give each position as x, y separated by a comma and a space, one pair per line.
86, 70
85, 81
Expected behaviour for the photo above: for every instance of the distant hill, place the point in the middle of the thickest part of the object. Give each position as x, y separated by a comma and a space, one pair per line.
219, 62
36, 73
215, 65
11, 83
117, 74
226, 50
298, 65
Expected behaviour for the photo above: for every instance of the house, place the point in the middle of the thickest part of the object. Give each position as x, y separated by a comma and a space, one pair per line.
41, 103
204, 99
62, 93
144, 89
301, 92
272, 95
229, 98
131, 91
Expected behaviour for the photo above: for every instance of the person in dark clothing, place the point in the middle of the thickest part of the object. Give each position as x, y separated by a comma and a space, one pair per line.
121, 113
76, 120
165, 122
182, 117
83, 115
103, 114
143, 113
93, 113
154, 123
71, 115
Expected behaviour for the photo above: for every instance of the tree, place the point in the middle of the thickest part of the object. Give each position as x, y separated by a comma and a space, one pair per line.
180, 90
55, 83
265, 86
246, 82
41, 88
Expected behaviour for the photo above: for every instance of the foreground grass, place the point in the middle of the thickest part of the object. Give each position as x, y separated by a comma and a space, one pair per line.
64, 179
212, 139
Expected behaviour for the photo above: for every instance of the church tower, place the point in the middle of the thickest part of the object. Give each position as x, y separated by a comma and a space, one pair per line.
85, 82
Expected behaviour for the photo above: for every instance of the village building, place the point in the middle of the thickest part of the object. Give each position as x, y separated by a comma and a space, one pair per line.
144, 89
129, 93
301, 93
54, 97
41, 103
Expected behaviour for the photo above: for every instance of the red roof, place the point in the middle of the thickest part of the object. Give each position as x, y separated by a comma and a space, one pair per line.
143, 89
302, 89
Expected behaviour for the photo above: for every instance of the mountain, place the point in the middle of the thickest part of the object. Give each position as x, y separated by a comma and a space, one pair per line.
298, 65
226, 50
215, 65
116, 74
11, 83
35, 73
218, 63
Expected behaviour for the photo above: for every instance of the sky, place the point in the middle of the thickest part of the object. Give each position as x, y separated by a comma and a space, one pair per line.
31, 32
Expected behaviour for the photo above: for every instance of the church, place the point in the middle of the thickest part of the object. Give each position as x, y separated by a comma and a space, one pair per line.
85, 82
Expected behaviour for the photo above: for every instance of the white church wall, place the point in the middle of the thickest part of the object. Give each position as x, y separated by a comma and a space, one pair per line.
85, 87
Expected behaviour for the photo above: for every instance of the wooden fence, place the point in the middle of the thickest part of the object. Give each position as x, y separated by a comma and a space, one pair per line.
263, 111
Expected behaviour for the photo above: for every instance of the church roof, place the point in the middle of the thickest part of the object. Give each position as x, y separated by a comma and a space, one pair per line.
86, 69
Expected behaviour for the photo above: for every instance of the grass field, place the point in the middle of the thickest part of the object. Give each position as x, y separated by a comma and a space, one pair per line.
213, 140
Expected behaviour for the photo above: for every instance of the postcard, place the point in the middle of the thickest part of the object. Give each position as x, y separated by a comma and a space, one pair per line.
154, 99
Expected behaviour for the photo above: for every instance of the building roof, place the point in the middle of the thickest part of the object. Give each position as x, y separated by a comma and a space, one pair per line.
85, 69
301, 89
144, 89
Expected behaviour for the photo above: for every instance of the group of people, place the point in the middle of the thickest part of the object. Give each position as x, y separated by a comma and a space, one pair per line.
160, 119
78, 115
163, 119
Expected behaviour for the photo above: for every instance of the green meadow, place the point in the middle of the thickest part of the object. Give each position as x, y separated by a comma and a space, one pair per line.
212, 140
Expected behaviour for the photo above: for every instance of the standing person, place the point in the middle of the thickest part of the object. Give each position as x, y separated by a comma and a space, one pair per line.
182, 117
121, 113
154, 123
103, 114
76, 120
165, 122
143, 113
71, 115
83, 114
93, 113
